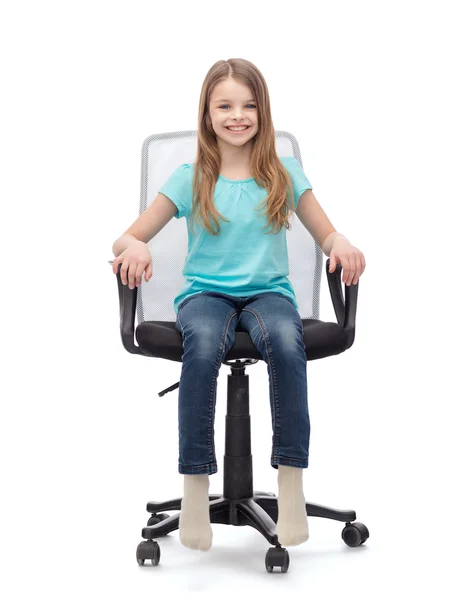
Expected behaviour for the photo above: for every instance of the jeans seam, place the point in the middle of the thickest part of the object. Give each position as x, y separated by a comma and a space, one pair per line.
211, 441
274, 396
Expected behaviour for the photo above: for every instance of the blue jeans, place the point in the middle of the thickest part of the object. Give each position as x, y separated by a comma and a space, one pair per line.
207, 323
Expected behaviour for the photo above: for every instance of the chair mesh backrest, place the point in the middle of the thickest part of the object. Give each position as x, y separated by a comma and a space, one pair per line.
161, 155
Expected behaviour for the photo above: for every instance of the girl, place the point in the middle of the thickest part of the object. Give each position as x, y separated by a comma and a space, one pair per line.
237, 276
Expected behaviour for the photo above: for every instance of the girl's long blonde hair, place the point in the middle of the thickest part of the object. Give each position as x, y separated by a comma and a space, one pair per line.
265, 166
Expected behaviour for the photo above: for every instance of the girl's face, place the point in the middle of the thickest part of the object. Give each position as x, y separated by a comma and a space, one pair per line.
232, 104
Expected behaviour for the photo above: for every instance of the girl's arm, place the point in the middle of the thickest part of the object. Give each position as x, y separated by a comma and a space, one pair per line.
313, 217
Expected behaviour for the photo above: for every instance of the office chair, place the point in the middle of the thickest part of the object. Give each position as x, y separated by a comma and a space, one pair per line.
158, 337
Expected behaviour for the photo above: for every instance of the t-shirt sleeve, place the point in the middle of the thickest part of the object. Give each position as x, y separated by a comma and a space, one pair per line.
298, 178
178, 189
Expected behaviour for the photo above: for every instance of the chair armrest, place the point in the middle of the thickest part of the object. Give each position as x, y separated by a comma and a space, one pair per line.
345, 311
128, 307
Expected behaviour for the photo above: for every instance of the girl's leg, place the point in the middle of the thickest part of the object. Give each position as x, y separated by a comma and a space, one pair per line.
275, 327
207, 324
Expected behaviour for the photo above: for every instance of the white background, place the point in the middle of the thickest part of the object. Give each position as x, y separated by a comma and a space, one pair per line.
379, 96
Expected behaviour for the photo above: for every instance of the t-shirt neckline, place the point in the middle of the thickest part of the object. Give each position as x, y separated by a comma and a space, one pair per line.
235, 180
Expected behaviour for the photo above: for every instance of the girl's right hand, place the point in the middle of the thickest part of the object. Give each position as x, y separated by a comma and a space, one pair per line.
135, 260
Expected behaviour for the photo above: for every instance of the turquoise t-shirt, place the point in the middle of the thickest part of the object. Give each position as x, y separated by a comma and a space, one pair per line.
241, 260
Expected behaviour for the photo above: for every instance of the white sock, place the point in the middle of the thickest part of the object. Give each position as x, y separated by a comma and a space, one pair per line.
194, 520
292, 524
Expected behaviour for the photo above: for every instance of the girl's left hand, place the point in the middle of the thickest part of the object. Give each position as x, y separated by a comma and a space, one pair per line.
351, 259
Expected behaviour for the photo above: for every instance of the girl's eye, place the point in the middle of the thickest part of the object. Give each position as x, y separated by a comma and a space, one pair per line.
247, 105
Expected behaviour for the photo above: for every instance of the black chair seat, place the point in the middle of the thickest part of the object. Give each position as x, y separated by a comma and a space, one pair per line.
161, 339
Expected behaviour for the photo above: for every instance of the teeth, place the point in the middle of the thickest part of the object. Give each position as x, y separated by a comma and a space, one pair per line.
237, 128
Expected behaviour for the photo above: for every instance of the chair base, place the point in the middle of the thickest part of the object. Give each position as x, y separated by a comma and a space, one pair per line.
259, 511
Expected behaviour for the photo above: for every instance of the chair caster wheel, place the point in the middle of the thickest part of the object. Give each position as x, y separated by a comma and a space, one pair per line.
148, 549
277, 557
355, 534
156, 518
